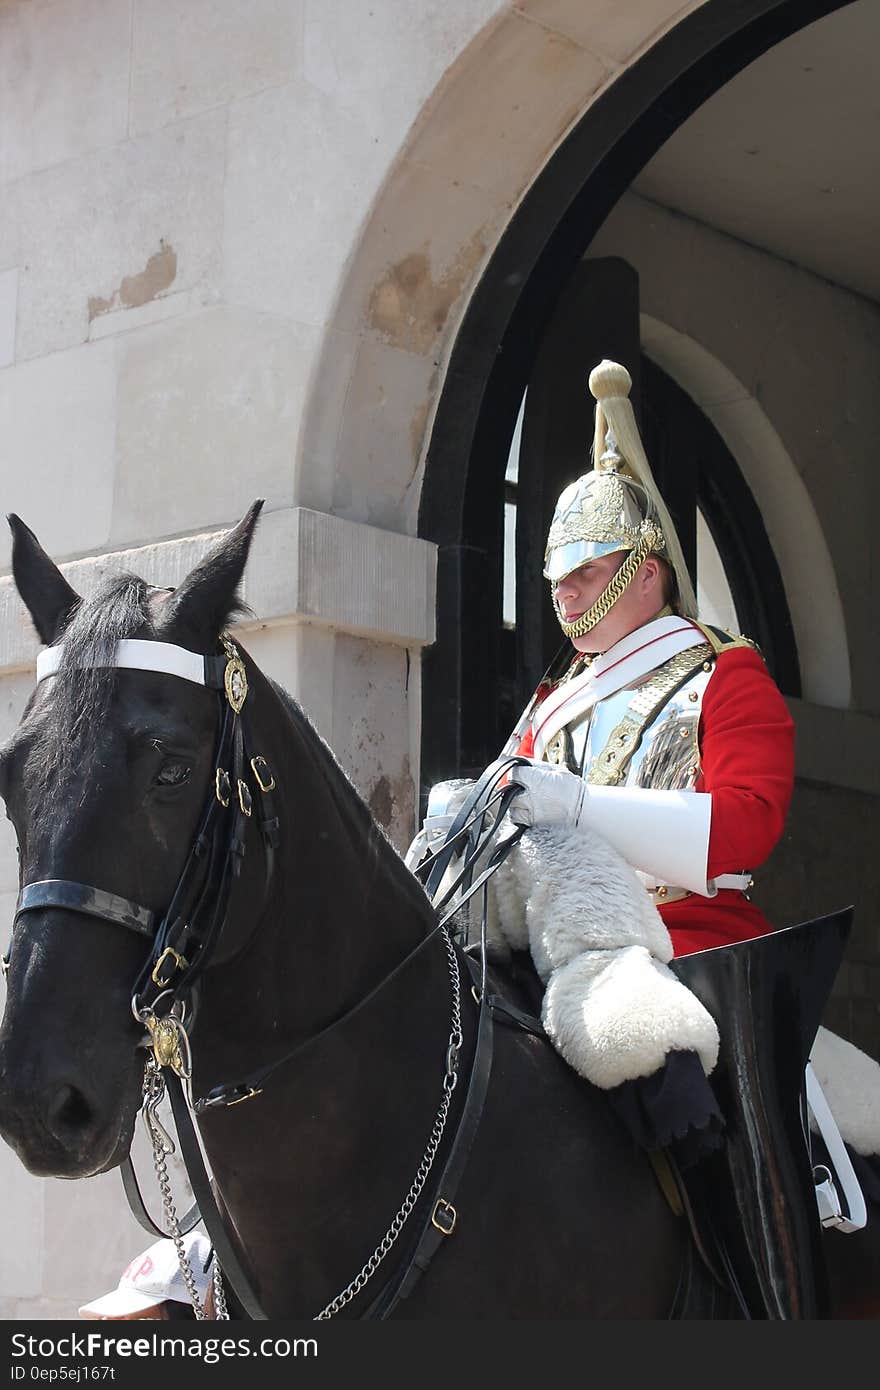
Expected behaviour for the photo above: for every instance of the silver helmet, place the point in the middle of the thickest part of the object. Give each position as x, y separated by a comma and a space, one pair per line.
614, 507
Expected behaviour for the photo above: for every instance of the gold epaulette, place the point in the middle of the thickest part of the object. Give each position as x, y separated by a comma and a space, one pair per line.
722, 641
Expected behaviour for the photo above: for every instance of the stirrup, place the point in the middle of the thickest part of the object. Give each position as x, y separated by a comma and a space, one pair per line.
831, 1212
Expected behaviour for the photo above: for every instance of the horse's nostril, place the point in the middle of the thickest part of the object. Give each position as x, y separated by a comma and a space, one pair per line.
69, 1112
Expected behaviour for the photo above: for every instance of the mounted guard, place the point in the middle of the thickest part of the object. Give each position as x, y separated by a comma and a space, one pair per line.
666, 746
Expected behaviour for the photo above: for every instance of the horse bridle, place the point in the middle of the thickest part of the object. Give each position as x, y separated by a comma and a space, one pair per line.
186, 937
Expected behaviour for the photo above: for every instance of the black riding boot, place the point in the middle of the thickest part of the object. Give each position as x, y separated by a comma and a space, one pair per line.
757, 1194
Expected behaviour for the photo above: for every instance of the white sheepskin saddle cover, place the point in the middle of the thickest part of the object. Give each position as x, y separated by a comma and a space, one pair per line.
612, 1006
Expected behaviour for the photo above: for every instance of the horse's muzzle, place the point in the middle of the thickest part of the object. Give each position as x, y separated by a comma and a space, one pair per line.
58, 1129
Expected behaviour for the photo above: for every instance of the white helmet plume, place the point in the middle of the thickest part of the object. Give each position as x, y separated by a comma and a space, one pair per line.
611, 384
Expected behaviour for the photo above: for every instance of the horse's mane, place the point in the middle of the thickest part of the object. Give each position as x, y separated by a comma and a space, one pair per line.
70, 736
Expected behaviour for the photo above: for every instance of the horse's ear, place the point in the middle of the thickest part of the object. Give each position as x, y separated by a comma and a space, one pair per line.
201, 605
46, 593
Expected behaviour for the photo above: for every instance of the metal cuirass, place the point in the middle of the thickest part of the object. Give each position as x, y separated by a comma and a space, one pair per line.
627, 740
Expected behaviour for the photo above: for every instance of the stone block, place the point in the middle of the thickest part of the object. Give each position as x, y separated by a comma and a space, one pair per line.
348, 42
370, 731
57, 420
10, 229
8, 900
91, 1235
35, 1309
21, 1250
121, 233
64, 74
389, 397
302, 171
206, 53
8, 305
418, 259
344, 575
208, 414
507, 104
616, 31
300, 657
322, 420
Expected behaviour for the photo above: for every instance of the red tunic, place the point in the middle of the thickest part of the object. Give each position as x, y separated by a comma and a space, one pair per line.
746, 739
747, 757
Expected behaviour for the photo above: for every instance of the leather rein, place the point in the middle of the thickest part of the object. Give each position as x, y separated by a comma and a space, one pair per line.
184, 941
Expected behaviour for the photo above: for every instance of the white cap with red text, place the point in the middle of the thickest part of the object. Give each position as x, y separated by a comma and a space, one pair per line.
154, 1276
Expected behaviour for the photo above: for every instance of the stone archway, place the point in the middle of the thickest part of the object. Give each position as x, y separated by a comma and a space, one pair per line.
469, 164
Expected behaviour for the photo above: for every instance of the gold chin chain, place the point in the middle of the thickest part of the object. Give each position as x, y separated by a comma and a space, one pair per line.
609, 595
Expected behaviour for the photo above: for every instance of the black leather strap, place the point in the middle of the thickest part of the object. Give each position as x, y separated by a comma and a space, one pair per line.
436, 1228
204, 1194
249, 1085
508, 1013
215, 671
195, 915
438, 863
81, 897
138, 1207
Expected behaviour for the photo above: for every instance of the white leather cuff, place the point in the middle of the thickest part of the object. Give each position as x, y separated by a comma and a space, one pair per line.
663, 834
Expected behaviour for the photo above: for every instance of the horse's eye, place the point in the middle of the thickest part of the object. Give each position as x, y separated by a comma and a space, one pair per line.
172, 774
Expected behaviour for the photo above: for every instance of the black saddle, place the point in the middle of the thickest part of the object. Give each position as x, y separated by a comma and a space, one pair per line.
757, 1193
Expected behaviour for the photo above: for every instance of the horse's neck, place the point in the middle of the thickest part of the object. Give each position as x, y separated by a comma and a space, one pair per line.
314, 1169
328, 988
341, 910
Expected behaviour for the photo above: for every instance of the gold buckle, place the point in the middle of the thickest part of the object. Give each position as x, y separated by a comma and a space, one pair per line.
180, 963
265, 786
444, 1217
234, 677
663, 894
244, 798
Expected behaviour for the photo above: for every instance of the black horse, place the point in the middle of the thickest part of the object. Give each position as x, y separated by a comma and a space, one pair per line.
322, 972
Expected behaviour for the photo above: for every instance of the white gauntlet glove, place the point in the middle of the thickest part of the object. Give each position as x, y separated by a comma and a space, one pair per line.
662, 834
552, 795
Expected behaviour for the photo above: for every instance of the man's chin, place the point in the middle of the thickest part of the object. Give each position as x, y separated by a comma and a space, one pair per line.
588, 644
